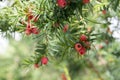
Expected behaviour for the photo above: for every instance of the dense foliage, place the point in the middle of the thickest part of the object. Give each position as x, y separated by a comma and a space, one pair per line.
75, 32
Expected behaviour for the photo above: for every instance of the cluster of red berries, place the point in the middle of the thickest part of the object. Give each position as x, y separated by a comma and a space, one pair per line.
44, 61
30, 28
63, 3
83, 45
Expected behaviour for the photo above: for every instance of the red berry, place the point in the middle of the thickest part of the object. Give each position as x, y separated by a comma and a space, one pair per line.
78, 46
28, 31
36, 65
82, 51
35, 30
65, 28
44, 60
104, 11
61, 3
86, 1
30, 16
83, 37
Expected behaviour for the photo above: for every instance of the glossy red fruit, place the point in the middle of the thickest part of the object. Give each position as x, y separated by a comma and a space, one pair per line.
44, 60
104, 11
86, 1
82, 51
28, 31
78, 47
36, 65
83, 37
62, 3
65, 29
35, 30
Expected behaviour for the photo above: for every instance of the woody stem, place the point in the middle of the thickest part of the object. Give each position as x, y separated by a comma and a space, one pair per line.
94, 69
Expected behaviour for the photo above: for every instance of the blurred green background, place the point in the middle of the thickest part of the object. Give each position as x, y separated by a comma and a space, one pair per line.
105, 65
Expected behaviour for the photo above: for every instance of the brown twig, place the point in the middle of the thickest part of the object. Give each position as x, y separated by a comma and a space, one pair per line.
94, 69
